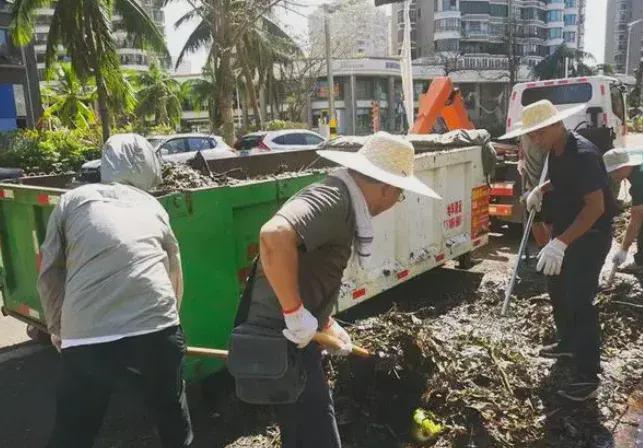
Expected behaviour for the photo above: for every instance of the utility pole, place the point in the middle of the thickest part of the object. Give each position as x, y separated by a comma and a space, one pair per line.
329, 67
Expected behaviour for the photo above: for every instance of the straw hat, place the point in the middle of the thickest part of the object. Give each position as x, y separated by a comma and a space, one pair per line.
539, 115
620, 157
386, 158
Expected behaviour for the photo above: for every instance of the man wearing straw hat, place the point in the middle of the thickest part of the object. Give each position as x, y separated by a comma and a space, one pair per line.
623, 164
304, 249
581, 211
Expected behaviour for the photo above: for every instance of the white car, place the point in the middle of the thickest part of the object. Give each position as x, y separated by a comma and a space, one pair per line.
179, 148
284, 140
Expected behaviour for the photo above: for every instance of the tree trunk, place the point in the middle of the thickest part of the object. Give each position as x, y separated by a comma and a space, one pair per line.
103, 108
225, 97
252, 95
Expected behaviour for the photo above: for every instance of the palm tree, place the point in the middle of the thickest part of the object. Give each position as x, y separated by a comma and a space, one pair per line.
69, 101
84, 28
232, 31
198, 92
553, 66
158, 95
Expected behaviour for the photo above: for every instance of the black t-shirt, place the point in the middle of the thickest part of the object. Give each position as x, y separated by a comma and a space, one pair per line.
575, 173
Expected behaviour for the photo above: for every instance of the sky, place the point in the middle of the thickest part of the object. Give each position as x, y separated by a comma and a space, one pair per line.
297, 24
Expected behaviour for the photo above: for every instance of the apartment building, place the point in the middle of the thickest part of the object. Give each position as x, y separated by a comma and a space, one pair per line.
624, 23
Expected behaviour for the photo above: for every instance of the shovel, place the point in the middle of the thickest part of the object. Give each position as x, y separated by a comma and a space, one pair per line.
323, 339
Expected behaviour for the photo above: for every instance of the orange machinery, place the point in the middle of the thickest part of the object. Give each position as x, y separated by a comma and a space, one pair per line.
443, 100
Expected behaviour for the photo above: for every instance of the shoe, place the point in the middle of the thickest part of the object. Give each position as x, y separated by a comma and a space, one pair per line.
580, 391
632, 268
555, 351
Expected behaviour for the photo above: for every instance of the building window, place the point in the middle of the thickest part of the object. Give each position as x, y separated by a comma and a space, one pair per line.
570, 19
449, 5
400, 16
435, 6
570, 37
570, 3
4, 39
498, 10
452, 24
447, 44
364, 89
474, 7
554, 16
555, 33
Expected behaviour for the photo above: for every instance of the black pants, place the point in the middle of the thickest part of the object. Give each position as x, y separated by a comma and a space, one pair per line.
310, 423
638, 256
89, 373
572, 293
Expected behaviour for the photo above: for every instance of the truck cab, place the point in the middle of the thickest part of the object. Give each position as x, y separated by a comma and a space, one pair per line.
603, 122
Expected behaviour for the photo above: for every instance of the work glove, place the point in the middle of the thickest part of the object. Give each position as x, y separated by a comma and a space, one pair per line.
535, 200
301, 326
336, 330
619, 257
550, 258
56, 342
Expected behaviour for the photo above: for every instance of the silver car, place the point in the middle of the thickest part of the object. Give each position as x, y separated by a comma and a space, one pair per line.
284, 140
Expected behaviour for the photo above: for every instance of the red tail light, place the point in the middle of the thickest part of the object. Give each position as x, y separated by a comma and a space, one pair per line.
262, 146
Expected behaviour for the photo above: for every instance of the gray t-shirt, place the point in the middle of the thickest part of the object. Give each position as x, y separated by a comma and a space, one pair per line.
323, 217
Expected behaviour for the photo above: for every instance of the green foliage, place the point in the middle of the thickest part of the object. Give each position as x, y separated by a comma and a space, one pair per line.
68, 101
49, 151
276, 125
553, 66
158, 95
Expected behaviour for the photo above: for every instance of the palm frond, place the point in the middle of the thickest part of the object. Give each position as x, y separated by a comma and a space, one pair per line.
22, 13
139, 25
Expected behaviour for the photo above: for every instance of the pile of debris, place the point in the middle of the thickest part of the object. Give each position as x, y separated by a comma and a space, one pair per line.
179, 176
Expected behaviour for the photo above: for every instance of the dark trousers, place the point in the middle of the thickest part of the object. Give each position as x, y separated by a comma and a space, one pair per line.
572, 293
310, 423
153, 362
638, 256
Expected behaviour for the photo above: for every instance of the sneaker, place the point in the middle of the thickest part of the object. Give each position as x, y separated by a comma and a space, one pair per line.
555, 351
632, 268
580, 391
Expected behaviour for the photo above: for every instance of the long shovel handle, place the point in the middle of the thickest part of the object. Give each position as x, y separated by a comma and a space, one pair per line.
324, 339
207, 352
331, 341
523, 245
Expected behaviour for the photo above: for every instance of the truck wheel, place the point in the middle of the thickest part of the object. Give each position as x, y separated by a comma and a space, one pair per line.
465, 261
37, 335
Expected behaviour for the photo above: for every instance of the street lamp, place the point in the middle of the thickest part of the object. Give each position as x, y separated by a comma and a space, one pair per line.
629, 38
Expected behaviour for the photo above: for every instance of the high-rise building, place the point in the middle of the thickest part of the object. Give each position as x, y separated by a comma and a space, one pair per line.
357, 29
19, 90
623, 24
481, 27
132, 57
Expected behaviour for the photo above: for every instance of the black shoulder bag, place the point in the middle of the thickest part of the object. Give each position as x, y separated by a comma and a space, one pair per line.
266, 366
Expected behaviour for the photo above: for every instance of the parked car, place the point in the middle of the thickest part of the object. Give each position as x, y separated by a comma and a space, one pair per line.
284, 140
178, 148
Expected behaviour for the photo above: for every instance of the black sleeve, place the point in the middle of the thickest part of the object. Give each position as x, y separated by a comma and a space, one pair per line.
590, 174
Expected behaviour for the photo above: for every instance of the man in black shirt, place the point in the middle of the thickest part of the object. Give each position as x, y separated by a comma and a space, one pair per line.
582, 208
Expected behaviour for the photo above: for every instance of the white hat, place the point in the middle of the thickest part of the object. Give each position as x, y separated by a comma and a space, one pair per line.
539, 115
620, 157
386, 158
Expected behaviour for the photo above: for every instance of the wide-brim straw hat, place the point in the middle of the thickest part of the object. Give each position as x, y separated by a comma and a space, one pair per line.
539, 115
619, 157
386, 158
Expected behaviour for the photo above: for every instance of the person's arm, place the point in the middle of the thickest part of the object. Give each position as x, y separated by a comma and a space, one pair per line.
53, 272
546, 187
633, 228
593, 208
278, 249
171, 247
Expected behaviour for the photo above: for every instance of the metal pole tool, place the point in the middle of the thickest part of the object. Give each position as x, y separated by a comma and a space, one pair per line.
523, 245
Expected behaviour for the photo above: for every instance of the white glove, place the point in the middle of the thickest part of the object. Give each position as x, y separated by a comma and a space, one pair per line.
619, 257
56, 342
535, 199
337, 331
550, 258
301, 326
522, 167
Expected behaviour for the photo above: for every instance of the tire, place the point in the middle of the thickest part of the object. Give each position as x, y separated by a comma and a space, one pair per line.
37, 335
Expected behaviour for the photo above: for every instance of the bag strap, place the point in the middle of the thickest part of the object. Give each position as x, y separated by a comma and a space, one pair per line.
246, 295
